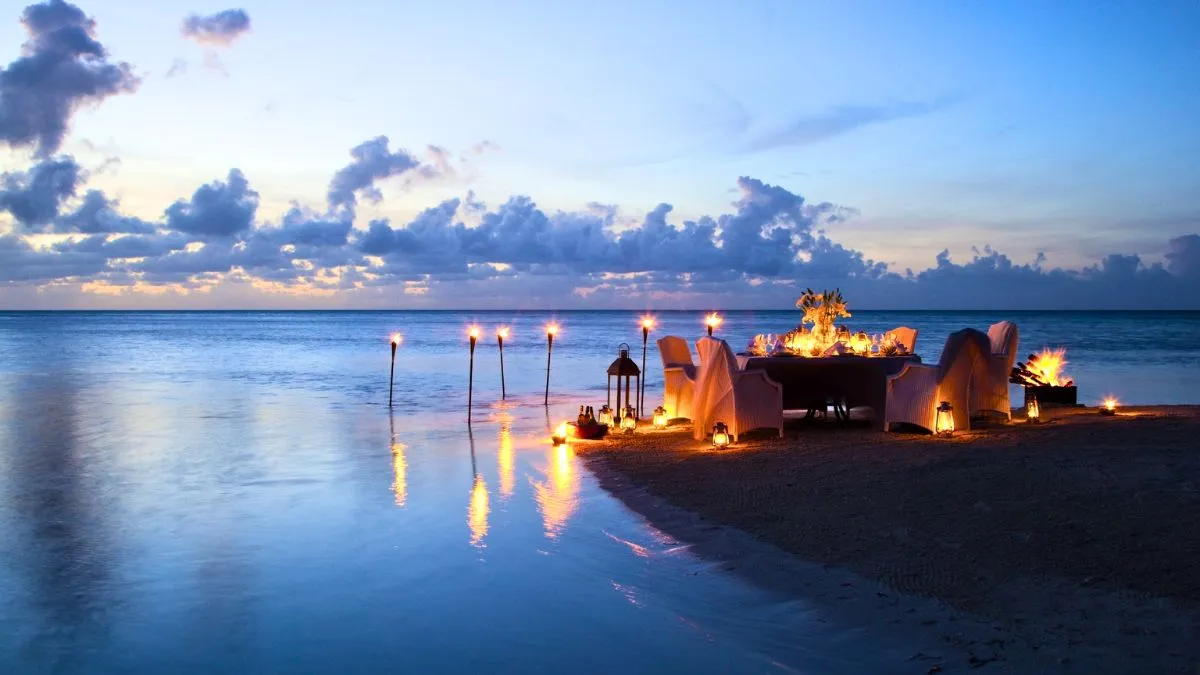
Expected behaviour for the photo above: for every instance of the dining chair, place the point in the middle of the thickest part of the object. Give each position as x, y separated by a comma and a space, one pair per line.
679, 376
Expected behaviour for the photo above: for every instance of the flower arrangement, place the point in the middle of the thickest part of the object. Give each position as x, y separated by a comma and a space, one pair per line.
821, 311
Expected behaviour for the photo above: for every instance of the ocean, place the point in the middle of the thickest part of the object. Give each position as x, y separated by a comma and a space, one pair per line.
229, 492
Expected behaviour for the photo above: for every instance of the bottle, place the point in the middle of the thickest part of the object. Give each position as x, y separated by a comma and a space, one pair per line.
582, 419
591, 416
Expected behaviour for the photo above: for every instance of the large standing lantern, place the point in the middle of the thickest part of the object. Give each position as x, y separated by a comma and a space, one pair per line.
623, 368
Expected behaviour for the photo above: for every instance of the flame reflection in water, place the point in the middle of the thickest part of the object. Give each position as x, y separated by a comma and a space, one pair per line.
558, 497
477, 511
400, 473
504, 457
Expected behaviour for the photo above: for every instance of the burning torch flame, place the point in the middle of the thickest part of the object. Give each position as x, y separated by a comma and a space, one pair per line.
552, 329
473, 331
397, 338
647, 322
502, 332
714, 320
1110, 404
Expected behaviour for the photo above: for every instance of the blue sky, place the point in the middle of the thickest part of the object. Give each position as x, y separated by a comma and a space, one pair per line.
1063, 128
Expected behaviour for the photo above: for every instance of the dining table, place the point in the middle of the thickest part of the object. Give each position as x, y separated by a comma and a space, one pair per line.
845, 381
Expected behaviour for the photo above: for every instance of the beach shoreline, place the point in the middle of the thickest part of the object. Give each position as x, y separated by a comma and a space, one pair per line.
1061, 547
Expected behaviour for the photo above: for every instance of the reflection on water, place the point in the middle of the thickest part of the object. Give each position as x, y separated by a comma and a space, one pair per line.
477, 511
504, 456
399, 472
557, 497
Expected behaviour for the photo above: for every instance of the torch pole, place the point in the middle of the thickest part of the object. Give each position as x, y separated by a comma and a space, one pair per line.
710, 330
392, 375
471, 378
549, 349
500, 339
642, 380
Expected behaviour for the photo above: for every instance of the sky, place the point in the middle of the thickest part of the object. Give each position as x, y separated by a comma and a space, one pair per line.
654, 154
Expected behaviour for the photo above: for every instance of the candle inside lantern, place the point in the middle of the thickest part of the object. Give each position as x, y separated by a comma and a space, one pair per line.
629, 420
944, 424
1033, 412
713, 321
660, 418
605, 416
720, 435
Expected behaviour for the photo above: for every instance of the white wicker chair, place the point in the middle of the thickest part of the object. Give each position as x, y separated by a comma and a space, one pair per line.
679, 377
914, 393
989, 390
905, 336
742, 399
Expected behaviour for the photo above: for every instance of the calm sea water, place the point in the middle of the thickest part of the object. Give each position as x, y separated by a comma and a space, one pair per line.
228, 492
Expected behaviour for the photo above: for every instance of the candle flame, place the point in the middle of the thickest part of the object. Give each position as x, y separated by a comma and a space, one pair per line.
502, 332
397, 338
561, 432
647, 322
713, 320
473, 331
552, 329
1110, 403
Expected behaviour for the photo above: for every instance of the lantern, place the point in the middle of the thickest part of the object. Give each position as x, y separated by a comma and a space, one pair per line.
1033, 412
720, 436
623, 367
605, 416
660, 418
1110, 406
628, 420
560, 433
944, 425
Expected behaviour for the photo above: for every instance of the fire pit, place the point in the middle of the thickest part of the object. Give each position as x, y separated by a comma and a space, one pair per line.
1043, 379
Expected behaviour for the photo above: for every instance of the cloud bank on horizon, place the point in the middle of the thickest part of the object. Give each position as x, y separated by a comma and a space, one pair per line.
68, 245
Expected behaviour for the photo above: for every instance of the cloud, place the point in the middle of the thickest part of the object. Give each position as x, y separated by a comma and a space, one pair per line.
220, 29
216, 209
62, 68
372, 161
813, 128
34, 197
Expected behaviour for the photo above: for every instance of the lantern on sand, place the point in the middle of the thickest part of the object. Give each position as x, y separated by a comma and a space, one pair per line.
1033, 412
560, 433
944, 425
623, 368
1109, 407
720, 435
660, 418
605, 416
628, 420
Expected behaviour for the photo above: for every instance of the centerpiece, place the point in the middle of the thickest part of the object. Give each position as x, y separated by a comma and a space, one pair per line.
819, 335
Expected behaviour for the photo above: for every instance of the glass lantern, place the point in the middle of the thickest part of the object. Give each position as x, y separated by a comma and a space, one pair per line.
660, 418
1033, 412
628, 420
944, 425
605, 416
720, 435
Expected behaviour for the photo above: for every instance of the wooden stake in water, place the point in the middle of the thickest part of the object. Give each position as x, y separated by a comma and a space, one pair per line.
551, 331
474, 335
392, 376
502, 333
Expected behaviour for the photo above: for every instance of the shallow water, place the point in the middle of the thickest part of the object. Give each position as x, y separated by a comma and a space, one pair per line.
230, 493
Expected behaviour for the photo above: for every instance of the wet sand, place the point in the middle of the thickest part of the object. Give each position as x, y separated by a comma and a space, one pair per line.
1069, 546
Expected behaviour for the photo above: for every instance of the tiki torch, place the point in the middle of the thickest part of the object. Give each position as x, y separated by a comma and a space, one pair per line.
551, 331
396, 338
501, 333
712, 321
647, 324
473, 333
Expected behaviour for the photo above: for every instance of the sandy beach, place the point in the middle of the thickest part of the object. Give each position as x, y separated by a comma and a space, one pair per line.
1068, 546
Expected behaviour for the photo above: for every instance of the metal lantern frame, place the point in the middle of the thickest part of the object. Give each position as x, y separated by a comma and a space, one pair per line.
720, 436
660, 418
944, 420
624, 367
